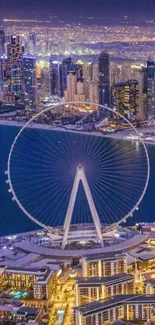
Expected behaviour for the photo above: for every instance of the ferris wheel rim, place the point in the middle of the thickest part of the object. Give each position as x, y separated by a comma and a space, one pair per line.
53, 229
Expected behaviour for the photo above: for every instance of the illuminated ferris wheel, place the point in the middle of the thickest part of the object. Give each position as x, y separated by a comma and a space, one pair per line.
60, 176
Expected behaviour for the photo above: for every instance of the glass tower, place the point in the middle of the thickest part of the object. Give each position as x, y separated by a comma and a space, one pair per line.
104, 79
30, 78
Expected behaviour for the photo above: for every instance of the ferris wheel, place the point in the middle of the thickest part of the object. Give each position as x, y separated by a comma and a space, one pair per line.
60, 175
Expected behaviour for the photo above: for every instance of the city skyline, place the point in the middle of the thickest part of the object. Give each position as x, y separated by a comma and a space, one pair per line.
77, 137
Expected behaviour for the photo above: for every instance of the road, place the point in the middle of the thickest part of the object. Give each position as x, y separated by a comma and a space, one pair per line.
64, 299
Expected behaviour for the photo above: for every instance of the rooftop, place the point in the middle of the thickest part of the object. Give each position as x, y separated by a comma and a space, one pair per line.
105, 256
104, 280
98, 306
28, 310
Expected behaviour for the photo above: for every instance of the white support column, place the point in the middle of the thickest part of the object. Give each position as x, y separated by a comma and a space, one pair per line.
80, 176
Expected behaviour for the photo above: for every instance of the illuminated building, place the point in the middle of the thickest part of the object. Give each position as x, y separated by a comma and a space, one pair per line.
130, 307
16, 77
125, 98
87, 70
54, 77
149, 287
151, 87
17, 313
66, 67
92, 289
71, 87
2, 42
14, 49
29, 78
104, 265
79, 96
63, 78
13, 66
45, 82
41, 282
93, 92
145, 94
3, 69
33, 38
104, 79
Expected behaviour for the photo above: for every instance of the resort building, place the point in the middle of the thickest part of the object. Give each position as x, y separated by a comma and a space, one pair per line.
92, 289
107, 264
41, 282
130, 307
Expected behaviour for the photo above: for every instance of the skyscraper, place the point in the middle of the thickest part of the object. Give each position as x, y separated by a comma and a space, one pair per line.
33, 38
2, 42
71, 87
125, 98
30, 78
151, 87
104, 79
16, 77
45, 82
93, 93
54, 77
14, 54
3, 70
67, 66
14, 49
63, 78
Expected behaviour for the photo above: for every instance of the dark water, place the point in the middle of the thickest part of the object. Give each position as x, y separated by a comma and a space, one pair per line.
13, 220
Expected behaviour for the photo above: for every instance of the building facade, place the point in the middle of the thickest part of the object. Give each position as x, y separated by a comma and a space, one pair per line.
2, 42
104, 265
104, 79
40, 282
125, 98
130, 307
54, 77
151, 89
93, 289
30, 78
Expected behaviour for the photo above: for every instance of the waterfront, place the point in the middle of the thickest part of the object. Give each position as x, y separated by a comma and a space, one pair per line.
12, 220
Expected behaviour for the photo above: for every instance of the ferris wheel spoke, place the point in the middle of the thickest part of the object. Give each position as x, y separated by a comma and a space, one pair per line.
118, 200
42, 167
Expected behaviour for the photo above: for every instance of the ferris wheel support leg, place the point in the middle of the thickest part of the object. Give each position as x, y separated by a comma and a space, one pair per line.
80, 176
70, 210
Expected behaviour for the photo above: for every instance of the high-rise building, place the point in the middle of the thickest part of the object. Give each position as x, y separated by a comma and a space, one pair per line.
45, 82
124, 71
125, 98
2, 42
87, 69
63, 78
93, 93
71, 87
104, 79
54, 77
33, 38
79, 95
87, 74
14, 49
14, 54
151, 87
16, 77
3, 70
29, 78
67, 66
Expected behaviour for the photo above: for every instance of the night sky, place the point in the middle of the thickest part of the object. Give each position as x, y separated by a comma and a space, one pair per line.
139, 8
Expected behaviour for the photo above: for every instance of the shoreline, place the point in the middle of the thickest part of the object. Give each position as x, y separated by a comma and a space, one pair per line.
64, 129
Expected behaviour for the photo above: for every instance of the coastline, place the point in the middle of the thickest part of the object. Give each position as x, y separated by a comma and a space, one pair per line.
64, 129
